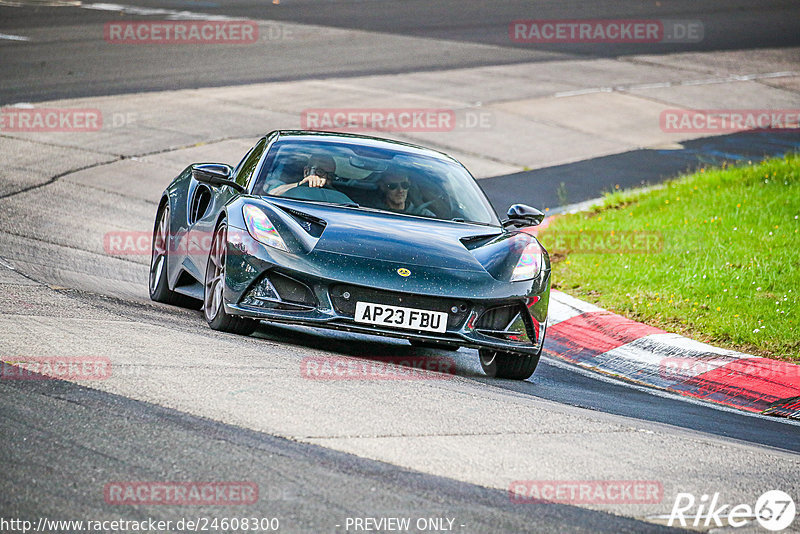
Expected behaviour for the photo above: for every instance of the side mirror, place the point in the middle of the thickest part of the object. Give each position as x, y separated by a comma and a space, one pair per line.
215, 174
522, 215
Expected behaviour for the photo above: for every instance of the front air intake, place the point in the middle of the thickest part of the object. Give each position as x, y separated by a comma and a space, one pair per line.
497, 322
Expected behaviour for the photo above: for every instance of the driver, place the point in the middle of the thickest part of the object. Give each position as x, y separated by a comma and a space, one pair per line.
318, 172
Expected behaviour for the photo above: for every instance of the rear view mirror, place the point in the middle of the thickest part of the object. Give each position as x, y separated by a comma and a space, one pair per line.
215, 174
523, 215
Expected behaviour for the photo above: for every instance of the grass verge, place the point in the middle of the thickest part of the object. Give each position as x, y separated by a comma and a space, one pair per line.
714, 256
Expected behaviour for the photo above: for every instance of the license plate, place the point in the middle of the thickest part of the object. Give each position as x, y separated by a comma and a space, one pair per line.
400, 317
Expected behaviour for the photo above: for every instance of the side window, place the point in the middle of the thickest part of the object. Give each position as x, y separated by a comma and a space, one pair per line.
262, 184
245, 169
239, 166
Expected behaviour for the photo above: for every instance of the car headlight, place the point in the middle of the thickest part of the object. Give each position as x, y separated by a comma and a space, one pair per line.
261, 228
529, 264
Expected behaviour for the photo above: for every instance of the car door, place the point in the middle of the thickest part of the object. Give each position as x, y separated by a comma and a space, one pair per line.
205, 204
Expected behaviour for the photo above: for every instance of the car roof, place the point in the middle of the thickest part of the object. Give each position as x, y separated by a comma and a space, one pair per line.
362, 140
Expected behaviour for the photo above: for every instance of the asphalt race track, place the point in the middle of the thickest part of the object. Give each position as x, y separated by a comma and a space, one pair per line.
186, 404
55, 65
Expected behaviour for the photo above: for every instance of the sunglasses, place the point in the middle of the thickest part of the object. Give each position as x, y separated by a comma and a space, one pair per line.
394, 185
322, 173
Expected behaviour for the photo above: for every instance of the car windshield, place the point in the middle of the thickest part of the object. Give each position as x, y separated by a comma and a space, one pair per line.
376, 178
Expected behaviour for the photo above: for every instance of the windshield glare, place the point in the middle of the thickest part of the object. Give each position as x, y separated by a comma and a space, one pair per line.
374, 178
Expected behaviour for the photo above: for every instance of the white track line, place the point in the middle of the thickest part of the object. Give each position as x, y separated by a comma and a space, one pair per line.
9, 37
169, 14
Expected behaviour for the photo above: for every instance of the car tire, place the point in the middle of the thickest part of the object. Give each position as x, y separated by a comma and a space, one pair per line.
213, 286
159, 259
498, 364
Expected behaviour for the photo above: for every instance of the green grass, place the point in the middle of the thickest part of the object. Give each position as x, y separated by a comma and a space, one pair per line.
727, 272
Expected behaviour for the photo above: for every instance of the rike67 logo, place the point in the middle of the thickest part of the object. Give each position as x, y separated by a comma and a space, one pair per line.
774, 511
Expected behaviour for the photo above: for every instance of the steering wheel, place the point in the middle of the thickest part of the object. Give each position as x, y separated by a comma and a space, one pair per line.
320, 194
442, 197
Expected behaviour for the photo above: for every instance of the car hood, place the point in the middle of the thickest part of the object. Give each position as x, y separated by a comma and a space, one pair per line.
407, 240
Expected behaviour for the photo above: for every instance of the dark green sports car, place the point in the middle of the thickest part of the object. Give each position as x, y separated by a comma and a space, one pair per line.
355, 233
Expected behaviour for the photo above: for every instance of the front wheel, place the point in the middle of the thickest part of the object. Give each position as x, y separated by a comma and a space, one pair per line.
213, 303
498, 364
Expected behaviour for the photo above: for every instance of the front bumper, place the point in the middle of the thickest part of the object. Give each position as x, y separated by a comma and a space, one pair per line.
465, 336
482, 312
521, 326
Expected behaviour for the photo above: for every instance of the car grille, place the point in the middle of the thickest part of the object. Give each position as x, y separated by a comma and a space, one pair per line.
275, 290
290, 290
346, 306
495, 321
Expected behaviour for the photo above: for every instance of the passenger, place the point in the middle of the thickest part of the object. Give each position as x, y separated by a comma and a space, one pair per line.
393, 187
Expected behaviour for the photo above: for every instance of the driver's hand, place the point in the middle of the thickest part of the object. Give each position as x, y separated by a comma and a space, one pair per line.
312, 180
